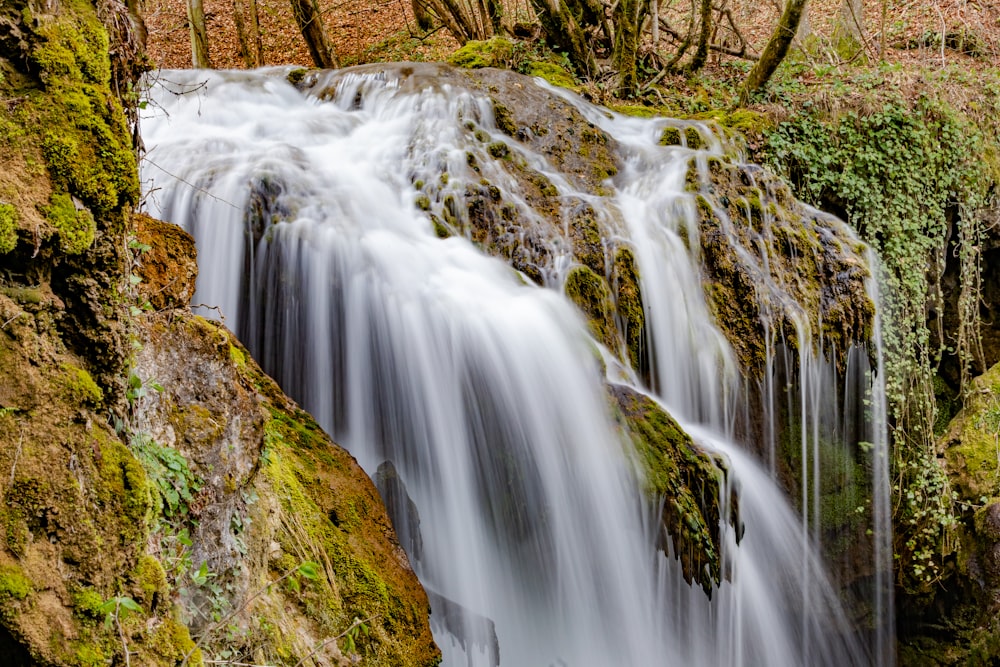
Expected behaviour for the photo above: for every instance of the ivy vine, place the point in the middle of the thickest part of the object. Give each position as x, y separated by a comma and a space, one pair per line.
908, 175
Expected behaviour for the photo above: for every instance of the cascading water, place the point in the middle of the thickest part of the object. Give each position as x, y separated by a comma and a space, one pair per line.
483, 390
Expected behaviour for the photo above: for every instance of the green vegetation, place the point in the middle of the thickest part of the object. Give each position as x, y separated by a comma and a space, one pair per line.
531, 59
905, 173
591, 295
8, 228
686, 480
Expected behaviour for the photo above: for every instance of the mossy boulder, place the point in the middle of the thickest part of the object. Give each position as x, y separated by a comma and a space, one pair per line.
970, 442
274, 493
683, 480
519, 56
769, 260
628, 306
968, 597
168, 263
590, 293
67, 171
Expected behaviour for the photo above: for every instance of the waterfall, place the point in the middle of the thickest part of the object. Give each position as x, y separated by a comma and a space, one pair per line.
317, 221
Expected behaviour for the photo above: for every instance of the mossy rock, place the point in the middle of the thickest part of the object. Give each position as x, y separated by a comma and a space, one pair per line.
168, 263
296, 497
8, 228
760, 246
628, 305
75, 225
514, 55
671, 136
591, 294
970, 442
680, 477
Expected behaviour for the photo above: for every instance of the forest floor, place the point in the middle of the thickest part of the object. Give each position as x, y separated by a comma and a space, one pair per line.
925, 33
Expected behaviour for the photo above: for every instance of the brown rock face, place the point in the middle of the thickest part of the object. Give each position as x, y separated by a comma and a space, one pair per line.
170, 267
269, 493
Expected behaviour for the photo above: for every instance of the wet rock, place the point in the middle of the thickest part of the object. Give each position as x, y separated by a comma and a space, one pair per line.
402, 510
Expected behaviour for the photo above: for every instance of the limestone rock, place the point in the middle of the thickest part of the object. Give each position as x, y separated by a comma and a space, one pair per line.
170, 267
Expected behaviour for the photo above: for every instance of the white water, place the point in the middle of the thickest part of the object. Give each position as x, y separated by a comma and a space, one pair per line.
481, 389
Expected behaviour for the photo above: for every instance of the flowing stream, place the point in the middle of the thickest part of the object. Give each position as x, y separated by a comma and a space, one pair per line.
487, 393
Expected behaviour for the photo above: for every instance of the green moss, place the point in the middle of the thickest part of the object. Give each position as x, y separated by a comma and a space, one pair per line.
498, 149
87, 604
76, 227
640, 111
75, 48
591, 294
171, 641
124, 491
554, 74
151, 581
684, 480
14, 585
423, 202
693, 138
628, 304
440, 229
588, 244
747, 122
671, 136
971, 440
81, 386
477, 54
295, 76
504, 119
8, 228
83, 133
90, 655
238, 356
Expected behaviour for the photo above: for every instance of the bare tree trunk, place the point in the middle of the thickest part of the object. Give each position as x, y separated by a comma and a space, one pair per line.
460, 24
246, 53
701, 54
258, 41
199, 35
565, 32
627, 22
851, 20
422, 13
310, 22
775, 51
494, 8
654, 10
804, 28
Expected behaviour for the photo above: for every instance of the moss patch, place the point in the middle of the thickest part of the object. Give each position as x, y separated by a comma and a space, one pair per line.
8, 228
684, 479
75, 226
628, 305
971, 441
591, 294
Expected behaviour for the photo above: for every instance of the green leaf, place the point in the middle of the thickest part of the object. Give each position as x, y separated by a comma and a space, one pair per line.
309, 569
130, 604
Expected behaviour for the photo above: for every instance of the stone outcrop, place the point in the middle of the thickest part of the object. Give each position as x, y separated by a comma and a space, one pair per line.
161, 501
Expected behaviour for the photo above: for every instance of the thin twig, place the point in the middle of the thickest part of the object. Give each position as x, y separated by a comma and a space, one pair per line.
121, 633
12, 319
17, 455
199, 189
343, 634
235, 612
